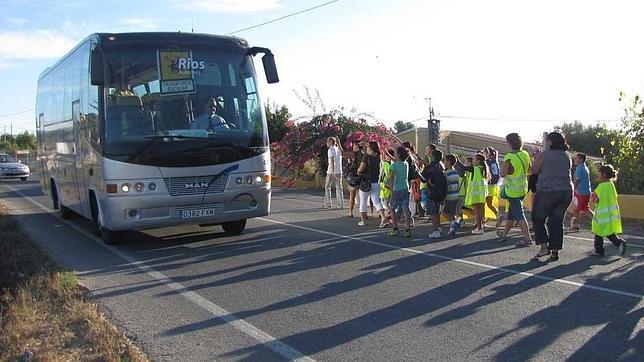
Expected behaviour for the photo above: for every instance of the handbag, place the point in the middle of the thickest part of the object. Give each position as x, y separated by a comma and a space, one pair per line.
353, 179
365, 182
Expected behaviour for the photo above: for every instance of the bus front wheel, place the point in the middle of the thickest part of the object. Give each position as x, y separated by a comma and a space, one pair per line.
234, 227
109, 237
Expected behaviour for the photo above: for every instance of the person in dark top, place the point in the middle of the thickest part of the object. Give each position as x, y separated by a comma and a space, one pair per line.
370, 189
434, 175
492, 161
355, 158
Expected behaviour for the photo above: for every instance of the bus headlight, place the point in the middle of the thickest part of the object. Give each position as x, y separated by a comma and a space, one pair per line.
239, 181
249, 180
126, 188
139, 187
152, 186
258, 179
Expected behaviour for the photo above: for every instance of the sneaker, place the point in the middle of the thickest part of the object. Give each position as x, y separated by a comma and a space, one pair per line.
393, 232
324, 206
501, 236
554, 256
340, 207
478, 232
383, 225
436, 234
622, 248
361, 223
408, 233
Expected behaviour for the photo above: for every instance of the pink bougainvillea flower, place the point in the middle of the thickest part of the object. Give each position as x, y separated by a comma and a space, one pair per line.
336, 128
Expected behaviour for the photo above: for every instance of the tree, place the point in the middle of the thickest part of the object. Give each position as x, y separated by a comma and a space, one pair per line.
401, 126
629, 144
592, 140
278, 120
25, 141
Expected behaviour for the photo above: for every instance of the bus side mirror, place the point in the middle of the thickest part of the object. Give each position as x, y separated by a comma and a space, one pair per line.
97, 69
268, 60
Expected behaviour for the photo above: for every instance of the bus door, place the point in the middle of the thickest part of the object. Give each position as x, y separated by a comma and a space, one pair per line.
77, 177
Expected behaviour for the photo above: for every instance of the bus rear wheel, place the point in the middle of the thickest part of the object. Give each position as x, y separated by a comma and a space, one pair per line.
234, 227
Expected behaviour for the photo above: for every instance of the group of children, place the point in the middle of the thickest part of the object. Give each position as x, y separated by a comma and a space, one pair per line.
440, 184
436, 185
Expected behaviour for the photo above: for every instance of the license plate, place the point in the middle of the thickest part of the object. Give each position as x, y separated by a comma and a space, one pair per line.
190, 214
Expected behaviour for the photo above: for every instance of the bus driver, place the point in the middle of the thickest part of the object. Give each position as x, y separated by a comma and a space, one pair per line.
209, 119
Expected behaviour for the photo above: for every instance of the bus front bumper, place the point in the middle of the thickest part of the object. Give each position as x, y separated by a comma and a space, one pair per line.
149, 212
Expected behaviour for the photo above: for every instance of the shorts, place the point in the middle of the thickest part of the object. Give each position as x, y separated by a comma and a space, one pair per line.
493, 190
424, 198
399, 199
451, 207
515, 211
582, 202
434, 207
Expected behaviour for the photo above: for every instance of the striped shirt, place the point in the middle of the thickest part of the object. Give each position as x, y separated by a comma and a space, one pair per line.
453, 188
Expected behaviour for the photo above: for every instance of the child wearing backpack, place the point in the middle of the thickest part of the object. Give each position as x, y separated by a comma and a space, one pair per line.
434, 175
607, 221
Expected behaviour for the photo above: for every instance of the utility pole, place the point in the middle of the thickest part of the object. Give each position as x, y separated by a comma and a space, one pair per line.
433, 125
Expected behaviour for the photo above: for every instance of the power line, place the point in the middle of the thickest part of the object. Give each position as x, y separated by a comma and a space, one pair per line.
17, 113
524, 120
283, 17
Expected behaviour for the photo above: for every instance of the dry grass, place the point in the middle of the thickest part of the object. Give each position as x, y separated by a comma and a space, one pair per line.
44, 310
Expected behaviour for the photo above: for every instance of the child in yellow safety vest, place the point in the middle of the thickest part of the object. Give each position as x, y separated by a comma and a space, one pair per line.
477, 180
607, 221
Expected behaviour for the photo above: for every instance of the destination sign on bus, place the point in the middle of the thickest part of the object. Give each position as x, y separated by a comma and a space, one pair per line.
176, 70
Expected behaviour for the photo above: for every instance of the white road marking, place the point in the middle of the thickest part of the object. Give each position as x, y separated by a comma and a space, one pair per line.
514, 228
629, 245
462, 261
260, 336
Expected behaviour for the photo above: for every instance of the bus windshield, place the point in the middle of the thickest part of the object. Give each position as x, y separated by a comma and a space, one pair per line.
165, 100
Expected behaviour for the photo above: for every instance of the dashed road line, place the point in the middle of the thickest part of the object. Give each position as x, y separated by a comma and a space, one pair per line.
257, 334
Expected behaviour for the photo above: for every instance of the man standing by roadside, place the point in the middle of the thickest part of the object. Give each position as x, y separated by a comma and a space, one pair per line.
333, 174
581, 182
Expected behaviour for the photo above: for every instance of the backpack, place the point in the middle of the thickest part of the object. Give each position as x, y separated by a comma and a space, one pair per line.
494, 172
438, 186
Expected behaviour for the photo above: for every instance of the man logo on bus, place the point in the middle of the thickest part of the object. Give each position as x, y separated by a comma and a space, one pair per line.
189, 65
197, 185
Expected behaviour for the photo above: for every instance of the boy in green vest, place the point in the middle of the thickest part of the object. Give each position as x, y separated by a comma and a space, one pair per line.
607, 221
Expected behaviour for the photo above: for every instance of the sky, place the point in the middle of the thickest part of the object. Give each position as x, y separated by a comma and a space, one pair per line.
491, 66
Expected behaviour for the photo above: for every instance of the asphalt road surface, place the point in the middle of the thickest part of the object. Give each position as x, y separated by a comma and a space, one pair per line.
310, 284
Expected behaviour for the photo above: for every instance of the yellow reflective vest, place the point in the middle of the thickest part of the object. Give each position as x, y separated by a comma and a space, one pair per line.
385, 172
607, 220
516, 185
476, 188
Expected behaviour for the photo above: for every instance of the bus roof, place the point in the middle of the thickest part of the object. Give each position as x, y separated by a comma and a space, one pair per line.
128, 38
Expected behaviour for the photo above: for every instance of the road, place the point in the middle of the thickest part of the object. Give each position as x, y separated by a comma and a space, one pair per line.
310, 284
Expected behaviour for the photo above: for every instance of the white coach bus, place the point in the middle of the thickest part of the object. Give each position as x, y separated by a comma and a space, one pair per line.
146, 130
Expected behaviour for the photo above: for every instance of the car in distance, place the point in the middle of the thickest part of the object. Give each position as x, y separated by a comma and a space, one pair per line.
10, 168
